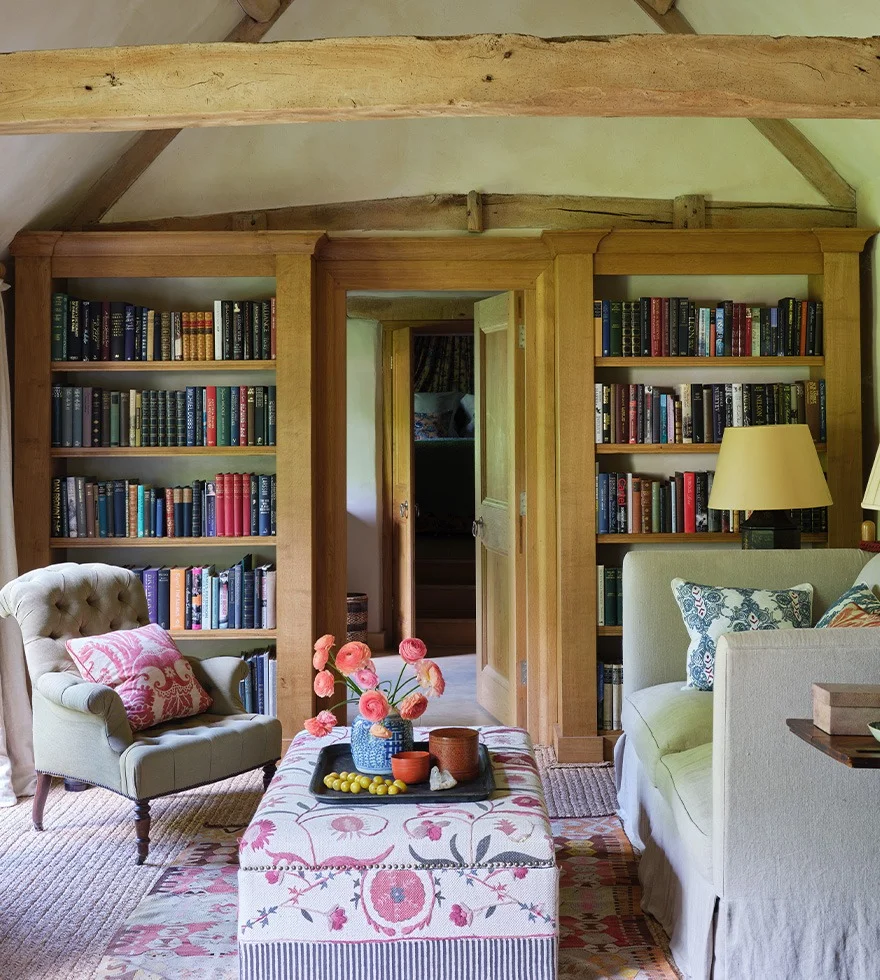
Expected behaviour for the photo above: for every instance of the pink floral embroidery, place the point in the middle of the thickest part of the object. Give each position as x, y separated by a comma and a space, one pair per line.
429, 829
527, 801
461, 915
520, 872
258, 835
397, 895
336, 918
347, 826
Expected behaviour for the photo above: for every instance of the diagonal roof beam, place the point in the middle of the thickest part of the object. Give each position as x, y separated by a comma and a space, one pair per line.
812, 165
261, 16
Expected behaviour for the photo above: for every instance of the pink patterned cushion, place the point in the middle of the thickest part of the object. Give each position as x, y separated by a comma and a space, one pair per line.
147, 671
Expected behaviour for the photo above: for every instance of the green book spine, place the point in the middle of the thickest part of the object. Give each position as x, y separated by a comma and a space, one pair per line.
610, 603
59, 326
616, 328
223, 415
618, 594
114, 418
271, 415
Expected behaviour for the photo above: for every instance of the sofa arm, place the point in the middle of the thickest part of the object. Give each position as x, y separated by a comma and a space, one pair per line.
96, 700
788, 821
220, 677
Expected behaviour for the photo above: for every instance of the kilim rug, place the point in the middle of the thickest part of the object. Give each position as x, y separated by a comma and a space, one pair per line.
185, 928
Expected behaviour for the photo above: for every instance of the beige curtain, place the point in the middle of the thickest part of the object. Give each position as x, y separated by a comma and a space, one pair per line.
16, 744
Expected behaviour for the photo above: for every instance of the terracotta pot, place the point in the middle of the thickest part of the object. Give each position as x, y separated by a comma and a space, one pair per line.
411, 767
456, 750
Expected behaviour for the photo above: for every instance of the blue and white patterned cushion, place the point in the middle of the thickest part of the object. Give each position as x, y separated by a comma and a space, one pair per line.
861, 595
710, 611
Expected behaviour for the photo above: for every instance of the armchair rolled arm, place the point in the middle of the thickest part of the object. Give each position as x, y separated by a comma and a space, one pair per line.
220, 677
98, 700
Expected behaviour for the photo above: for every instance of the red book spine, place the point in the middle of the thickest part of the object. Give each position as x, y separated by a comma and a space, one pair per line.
735, 342
169, 512
656, 327
747, 340
664, 326
229, 504
690, 504
713, 336
211, 413
803, 345
246, 504
220, 505
633, 414
105, 330
272, 328
237, 494
242, 416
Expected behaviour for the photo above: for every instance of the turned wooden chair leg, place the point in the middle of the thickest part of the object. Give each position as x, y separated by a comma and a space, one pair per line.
142, 829
44, 781
268, 773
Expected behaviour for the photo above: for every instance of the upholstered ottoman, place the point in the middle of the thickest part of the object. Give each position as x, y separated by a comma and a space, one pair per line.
403, 891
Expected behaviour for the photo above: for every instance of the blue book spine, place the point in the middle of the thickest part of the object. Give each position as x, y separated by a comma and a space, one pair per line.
664, 418
119, 501
103, 524
151, 589
140, 511
263, 506
719, 331
606, 328
129, 332
775, 346
260, 684
602, 493
234, 415
223, 602
159, 515
203, 402
600, 690
236, 595
190, 415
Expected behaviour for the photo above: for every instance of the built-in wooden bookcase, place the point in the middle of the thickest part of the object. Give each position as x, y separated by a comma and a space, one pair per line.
153, 269
592, 265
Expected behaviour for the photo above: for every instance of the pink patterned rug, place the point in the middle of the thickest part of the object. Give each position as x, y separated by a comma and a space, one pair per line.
184, 929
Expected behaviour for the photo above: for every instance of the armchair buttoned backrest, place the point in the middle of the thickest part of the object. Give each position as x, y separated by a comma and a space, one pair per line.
59, 602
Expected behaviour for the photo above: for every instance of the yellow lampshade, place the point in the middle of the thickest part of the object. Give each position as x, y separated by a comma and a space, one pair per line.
769, 467
871, 499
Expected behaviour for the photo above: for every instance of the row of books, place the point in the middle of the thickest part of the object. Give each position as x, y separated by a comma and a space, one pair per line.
230, 505
627, 503
675, 326
210, 415
699, 413
609, 595
105, 330
609, 696
258, 690
201, 597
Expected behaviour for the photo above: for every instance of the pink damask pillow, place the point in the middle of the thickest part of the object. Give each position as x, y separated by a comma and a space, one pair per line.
147, 671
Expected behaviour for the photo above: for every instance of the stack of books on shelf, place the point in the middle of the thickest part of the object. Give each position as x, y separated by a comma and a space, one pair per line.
674, 326
609, 695
200, 597
609, 594
258, 691
699, 413
627, 503
104, 330
210, 415
230, 505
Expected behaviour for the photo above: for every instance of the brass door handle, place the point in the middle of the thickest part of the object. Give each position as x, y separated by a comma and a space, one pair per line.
477, 527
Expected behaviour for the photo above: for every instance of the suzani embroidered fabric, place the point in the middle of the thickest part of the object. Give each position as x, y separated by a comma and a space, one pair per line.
709, 611
315, 879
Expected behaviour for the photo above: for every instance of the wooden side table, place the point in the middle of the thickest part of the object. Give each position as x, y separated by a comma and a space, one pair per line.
855, 751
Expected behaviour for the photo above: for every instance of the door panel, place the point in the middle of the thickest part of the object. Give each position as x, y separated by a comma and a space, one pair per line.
499, 440
402, 502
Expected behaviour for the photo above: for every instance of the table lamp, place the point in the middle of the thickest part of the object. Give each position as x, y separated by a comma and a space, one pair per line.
768, 470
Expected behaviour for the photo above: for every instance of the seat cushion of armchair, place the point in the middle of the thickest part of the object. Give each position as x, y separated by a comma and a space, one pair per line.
685, 782
195, 751
664, 719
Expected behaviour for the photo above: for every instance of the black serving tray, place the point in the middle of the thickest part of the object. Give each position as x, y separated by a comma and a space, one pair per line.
337, 758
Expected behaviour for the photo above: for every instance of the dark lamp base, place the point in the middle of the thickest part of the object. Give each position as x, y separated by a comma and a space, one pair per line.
769, 530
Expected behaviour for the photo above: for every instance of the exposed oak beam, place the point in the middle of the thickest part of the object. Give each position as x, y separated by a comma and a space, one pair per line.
812, 165
449, 212
172, 86
142, 153
262, 11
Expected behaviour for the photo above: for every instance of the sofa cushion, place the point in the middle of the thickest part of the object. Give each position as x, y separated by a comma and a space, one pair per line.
857, 606
664, 719
685, 782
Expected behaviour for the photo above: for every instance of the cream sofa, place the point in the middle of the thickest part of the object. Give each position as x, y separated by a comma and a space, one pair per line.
760, 854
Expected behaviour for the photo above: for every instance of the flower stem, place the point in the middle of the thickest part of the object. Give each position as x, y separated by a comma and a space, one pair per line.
393, 694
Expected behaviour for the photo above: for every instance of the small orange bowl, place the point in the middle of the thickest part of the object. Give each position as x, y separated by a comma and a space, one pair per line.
411, 767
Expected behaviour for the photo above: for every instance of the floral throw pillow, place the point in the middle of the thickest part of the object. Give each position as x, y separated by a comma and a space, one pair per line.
146, 670
857, 606
432, 425
709, 611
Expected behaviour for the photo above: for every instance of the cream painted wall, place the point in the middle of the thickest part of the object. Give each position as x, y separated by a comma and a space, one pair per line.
364, 463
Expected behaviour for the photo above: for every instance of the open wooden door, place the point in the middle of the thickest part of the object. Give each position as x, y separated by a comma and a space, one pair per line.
499, 435
402, 501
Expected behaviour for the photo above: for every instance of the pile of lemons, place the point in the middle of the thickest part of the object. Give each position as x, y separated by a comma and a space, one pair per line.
354, 782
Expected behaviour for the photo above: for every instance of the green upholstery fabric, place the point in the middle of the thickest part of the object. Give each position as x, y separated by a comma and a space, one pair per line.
220, 677
685, 781
665, 719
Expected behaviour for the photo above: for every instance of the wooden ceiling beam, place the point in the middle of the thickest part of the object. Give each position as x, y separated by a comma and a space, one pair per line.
449, 212
812, 165
335, 79
121, 175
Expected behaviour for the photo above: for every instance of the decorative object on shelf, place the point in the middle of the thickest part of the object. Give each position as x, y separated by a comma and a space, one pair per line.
456, 751
868, 538
769, 470
386, 709
356, 605
871, 501
874, 729
845, 709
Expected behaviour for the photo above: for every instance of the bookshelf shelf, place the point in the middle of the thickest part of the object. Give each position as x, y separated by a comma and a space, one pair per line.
163, 451
254, 635
715, 537
672, 449
134, 367
609, 631
265, 540
692, 362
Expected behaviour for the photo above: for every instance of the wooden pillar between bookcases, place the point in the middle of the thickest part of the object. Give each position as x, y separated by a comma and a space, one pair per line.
32, 466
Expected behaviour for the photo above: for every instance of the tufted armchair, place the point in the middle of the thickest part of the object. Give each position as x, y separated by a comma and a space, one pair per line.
81, 730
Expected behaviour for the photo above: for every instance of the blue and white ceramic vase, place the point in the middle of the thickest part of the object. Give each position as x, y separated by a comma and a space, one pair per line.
372, 755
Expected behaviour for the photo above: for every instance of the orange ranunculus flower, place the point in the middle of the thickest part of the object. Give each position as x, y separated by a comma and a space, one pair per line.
413, 706
430, 678
322, 724
322, 651
412, 650
373, 705
352, 657
324, 684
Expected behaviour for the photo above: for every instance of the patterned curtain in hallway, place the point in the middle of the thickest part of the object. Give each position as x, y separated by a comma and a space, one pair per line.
443, 363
